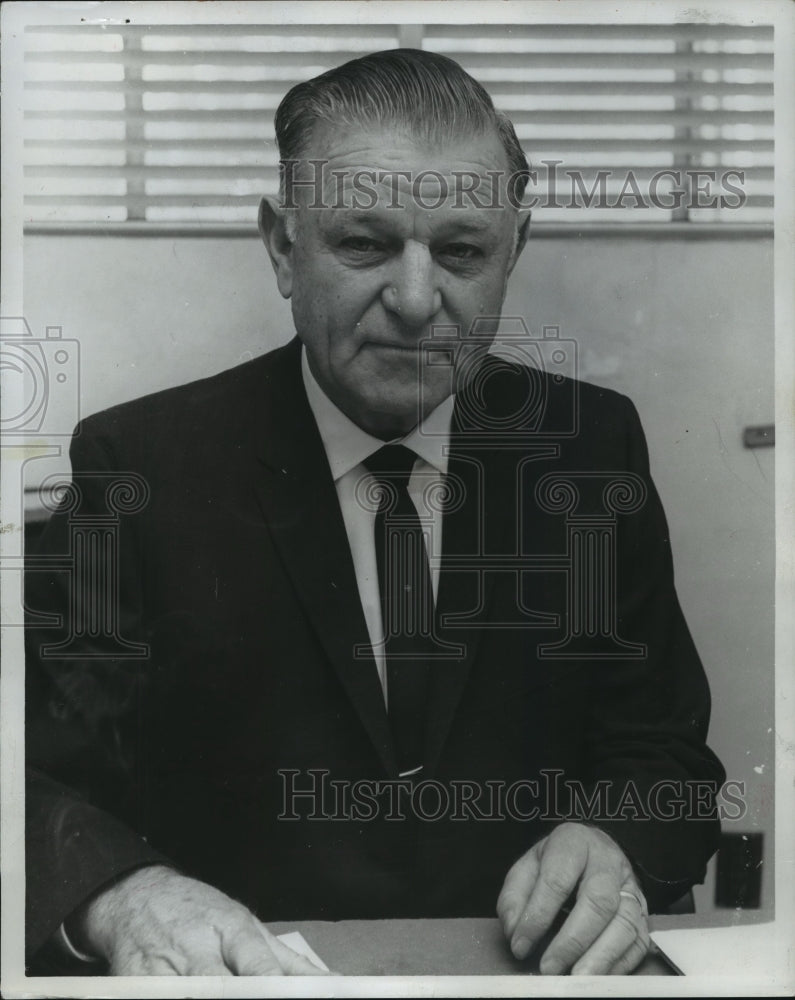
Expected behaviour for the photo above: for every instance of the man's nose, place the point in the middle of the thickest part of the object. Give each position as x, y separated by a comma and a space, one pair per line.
412, 292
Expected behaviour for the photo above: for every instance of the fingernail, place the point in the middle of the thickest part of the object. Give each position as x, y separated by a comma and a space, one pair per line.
550, 967
521, 947
509, 918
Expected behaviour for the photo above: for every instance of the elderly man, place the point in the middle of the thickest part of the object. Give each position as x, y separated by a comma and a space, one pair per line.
351, 581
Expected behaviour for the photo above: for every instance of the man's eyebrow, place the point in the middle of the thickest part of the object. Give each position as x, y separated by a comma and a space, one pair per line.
468, 224
381, 219
362, 216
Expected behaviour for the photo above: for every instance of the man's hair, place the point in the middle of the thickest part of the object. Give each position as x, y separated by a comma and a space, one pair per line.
429, 94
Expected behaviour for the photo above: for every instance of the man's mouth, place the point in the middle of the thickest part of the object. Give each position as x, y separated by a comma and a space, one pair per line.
402, 348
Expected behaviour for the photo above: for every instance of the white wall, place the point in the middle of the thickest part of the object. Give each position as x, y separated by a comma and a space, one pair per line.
683, 326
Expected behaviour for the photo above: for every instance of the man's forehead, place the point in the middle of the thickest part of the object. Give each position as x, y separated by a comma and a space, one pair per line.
397, 146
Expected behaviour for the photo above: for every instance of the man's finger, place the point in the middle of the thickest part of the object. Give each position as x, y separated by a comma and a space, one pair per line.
137, 967
560, 869
617, 937
291, 963
154, 967
165, 964
206, 969
597, 906
633, 956
248, 953
516, 890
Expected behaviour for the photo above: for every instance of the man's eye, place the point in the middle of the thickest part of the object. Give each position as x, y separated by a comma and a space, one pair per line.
461, 251
361, 244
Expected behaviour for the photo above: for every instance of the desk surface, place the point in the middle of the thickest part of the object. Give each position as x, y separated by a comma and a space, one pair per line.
462, 947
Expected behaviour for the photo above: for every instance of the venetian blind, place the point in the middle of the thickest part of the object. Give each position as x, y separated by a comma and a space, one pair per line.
173, 124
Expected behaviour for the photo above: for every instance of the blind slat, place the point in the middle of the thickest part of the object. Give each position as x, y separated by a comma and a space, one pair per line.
165, 171
639, 31
641, 118
530, 88
641, 61
432, 32
208, 57
553, 142
57, 170
287, 32
121, 199
579, 61
213, 199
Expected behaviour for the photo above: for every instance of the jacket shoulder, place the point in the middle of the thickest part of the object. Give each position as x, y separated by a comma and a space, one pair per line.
543, 401
195, 406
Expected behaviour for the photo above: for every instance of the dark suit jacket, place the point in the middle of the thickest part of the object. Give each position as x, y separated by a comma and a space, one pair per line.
237, 577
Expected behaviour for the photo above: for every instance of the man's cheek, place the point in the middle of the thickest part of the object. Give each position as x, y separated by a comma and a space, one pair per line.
436, 383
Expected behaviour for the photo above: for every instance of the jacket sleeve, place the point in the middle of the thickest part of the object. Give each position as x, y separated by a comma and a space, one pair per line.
81, 684
649, 715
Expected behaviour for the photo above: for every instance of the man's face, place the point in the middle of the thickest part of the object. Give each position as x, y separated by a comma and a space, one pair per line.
385, 259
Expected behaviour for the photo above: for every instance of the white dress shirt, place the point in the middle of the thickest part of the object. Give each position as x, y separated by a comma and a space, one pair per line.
347, 446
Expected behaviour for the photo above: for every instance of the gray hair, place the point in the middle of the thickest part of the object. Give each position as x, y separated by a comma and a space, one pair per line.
430, 94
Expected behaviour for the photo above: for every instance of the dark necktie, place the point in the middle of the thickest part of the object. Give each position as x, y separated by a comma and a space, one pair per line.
404, 581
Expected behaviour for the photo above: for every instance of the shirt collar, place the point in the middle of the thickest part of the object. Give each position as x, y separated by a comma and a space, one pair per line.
347, 445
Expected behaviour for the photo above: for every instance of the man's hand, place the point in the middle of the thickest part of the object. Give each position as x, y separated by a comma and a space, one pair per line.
156, 922
606, 931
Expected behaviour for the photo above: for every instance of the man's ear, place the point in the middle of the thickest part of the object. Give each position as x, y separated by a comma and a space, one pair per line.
522, 233
273, 228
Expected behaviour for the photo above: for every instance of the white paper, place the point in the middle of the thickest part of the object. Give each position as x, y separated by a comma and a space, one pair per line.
297, 942
721, 951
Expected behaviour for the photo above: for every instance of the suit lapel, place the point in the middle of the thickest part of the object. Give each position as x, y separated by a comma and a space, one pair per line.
296, 492
471, 529
486, 524
460, 591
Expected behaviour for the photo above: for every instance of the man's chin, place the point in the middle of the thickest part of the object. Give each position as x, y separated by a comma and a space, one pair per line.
406, 377
391, 415
388, 420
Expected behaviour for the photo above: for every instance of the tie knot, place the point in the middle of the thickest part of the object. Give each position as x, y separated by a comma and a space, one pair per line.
392, 464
